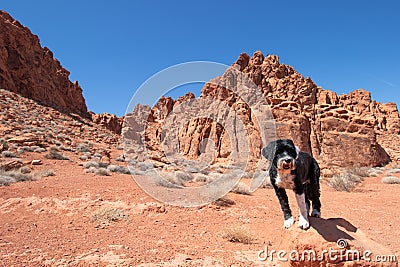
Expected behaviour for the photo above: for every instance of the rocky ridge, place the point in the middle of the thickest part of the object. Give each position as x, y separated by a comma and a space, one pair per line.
319, 121
31, 71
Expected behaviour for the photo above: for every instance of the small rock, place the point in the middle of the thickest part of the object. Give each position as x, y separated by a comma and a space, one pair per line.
36, 162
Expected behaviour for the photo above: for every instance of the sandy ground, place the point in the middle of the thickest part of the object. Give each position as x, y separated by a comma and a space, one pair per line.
50, 223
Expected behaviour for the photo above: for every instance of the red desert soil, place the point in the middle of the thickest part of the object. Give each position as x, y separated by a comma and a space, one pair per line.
49, 223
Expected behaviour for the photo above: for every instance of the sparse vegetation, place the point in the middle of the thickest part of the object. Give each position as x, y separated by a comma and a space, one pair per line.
393, 171
118, 169
238, 233
3, 144
108, 215
99, 171
45, 173
8, 177
55, 154
25, 170
360, 171
242, 189
223, 202
345, 181
9, 154
391, 180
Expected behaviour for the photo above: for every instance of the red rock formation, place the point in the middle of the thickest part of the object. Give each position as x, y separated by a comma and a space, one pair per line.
31, 71
340, 131
109, 121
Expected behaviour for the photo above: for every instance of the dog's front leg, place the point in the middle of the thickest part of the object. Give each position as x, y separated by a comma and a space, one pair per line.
303, 211
284, 202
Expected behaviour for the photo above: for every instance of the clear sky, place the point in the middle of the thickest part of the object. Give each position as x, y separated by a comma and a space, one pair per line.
112, 47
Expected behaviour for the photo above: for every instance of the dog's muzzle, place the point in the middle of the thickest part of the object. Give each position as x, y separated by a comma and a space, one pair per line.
286, 164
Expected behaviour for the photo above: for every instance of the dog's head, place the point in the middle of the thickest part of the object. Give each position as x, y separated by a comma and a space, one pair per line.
282, 153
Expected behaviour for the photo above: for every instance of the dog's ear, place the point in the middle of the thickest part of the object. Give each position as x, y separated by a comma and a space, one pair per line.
269, 151
297, 150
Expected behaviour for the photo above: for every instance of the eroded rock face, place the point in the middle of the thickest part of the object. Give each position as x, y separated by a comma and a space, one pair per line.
109, 121
30, 70
340, 131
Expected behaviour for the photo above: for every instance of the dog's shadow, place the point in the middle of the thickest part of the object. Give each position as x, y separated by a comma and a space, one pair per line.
330, 229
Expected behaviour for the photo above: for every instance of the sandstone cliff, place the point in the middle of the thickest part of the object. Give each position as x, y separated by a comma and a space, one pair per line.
31, 70
340, 131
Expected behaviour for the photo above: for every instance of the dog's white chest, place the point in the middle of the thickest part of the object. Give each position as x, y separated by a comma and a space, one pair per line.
285, 180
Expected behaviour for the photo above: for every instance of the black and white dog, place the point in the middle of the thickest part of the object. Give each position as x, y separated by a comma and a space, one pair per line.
292, 169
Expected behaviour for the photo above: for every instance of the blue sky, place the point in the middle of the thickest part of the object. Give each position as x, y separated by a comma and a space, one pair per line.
112, 47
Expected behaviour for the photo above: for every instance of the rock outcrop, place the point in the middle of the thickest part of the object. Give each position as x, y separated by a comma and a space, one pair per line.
30, 70
109, 121
340, 131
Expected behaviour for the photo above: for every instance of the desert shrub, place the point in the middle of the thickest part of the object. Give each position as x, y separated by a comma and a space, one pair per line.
345, 181
8, 154
165, 179
89, 164
46, 173
360, 171
118, 169
7, 177
183, 176
200, 178
26, 149
55, 154
144, 166
134, 171
25, 170
391, 180
238, 234
242, 189
4, 144
108, 215
223, 202
6, 180
84, 147
392, 171
102, 172
97, 155
83, 157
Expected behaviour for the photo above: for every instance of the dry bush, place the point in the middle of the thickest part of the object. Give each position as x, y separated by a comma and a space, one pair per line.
118, 169
55, 154
8, 177
241, 188
345, 181
360, 171
392, 171
102, 172
108, 215
238, 233
8, 154
223, 202
45, 173
391, 180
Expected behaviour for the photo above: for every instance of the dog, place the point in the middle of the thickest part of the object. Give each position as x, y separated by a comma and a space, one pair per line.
292, 169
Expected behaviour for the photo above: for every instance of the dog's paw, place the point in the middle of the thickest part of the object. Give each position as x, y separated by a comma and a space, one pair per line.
316, 213
288, 223
304, 223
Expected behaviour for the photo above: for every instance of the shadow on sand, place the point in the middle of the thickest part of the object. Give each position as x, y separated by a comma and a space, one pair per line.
331, 229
